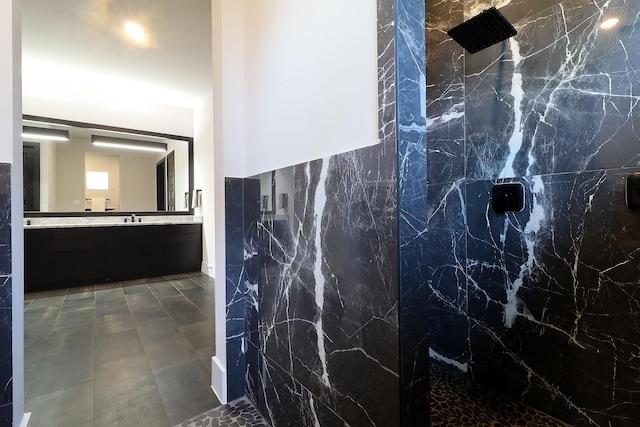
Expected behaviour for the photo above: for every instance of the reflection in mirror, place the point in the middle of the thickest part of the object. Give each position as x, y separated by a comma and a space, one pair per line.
72, 167
276, 194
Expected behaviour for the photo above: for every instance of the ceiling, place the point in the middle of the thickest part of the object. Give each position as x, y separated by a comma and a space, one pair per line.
83, 40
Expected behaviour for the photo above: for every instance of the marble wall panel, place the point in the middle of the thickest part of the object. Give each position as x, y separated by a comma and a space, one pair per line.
554, 298
445, 93
285, 402
242, 214
558, 97
446, 262
6, 363
412, 206
329, 283
386, 71
552, 315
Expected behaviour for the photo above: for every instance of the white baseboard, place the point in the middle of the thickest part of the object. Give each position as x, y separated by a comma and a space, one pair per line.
219, 379
26, 420
208, 269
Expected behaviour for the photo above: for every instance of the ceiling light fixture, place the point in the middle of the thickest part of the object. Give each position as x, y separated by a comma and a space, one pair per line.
128, 144
609, 23
45, 134
136, 33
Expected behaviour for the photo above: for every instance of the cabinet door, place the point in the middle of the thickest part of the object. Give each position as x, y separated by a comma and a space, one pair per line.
37, 261
183, 248
78, 255
135, 252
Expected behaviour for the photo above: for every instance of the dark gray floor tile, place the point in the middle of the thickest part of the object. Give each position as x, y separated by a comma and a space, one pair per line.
141, 300
123, 380
182, 275
168, 301
39, 331
28, 380
205, 354
169, 353
146, 410
131, 332
109, 285
153, 330
108, 295
63, 370
111, 323
111, 307
155, 312
75, 304
33, 354
205, 304
204, 281
73, 319
117, 347
80, 291
187, 315
51, 302
51, 293
39, 314
68, 407
199, 335
186, 391
70, 339
133, 287
165, 289
186, 283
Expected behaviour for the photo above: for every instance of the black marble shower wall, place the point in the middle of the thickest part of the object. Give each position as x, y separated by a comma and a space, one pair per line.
328, 259
542, 305
6, 365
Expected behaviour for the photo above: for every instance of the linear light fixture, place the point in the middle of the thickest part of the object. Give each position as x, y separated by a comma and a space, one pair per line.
45, 134
128, 144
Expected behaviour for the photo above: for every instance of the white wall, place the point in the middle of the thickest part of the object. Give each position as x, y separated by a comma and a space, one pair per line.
228, 85
204, 176
310, 80
11, 152
68, 104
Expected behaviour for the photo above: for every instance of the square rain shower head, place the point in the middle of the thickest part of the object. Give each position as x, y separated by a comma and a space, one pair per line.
483, 30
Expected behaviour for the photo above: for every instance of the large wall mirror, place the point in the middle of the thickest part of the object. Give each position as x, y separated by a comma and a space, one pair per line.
73, 168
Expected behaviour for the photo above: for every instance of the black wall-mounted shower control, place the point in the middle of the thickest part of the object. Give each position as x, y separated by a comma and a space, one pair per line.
508, 197
632, 193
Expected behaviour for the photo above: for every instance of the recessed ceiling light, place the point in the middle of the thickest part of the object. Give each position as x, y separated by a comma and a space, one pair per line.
129, 144
45, 134
136, 33
609, 23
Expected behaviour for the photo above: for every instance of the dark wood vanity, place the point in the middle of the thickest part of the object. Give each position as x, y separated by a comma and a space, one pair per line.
61, 257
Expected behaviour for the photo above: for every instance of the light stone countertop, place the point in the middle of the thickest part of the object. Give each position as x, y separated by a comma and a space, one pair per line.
108, 221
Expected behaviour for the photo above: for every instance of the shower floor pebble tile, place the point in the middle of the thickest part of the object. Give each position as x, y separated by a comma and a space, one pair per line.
458, 402
238, 413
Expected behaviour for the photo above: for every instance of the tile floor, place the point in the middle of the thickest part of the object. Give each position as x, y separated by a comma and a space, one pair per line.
240, 412
138, 354
456, 401
129, 354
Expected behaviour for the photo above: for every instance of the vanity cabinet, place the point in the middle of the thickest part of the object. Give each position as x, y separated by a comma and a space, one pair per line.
75, 256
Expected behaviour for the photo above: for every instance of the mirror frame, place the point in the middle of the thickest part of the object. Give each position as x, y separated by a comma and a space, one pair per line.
187, 139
